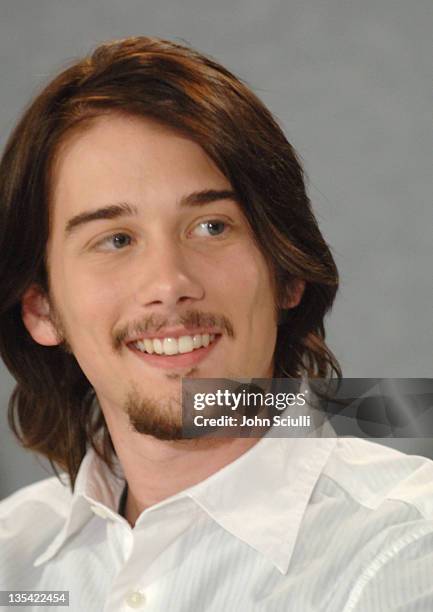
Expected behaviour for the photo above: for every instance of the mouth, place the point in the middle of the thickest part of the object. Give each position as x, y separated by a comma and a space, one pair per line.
175, 350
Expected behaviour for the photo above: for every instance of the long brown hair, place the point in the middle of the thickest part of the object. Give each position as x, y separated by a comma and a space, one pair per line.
52, 409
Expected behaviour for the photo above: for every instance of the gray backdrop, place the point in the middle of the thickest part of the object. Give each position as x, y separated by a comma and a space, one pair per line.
350, 82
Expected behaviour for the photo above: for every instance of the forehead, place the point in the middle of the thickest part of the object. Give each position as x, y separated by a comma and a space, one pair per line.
119, 156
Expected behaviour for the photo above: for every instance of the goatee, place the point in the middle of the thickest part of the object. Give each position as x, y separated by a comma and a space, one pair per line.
161, 419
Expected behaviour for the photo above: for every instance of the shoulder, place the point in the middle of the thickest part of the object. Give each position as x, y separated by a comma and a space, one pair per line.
51, 495
29, 521
46, 502
372, 474
373, 509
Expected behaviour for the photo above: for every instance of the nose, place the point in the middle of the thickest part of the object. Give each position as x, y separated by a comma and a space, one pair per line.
168, 278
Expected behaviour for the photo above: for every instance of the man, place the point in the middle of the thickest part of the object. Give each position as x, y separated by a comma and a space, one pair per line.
155, 226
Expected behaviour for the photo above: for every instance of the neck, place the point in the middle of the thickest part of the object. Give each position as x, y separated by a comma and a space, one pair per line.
157, 469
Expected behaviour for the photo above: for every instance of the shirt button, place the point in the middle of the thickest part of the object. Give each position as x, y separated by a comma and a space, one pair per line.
135, 599
99, 511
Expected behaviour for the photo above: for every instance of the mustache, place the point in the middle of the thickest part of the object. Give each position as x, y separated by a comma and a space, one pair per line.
190, 319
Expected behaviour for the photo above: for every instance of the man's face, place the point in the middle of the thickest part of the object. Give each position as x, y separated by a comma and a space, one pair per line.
171, 267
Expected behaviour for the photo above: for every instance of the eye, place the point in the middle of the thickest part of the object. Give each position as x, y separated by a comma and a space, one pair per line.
115, 242
214, 227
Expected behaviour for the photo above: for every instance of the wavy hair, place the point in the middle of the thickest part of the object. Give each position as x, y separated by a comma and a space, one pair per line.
52, 409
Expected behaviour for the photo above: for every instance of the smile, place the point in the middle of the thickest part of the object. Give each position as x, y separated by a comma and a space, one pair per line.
175, 351
173, 346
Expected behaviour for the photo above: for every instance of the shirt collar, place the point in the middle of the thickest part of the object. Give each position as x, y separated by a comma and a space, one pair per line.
260, 498
96, 486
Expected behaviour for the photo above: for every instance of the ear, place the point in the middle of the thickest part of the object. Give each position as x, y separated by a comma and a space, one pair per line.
294, 293
35, 312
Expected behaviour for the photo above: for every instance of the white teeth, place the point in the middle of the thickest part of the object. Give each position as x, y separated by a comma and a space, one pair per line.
196, 341
173, 346
186, 344
169, 346
157, 345
148, 346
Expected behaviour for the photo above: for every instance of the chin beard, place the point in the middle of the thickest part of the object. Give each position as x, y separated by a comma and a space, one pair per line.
158, 418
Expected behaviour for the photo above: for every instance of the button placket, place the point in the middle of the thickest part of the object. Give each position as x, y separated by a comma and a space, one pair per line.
135, 599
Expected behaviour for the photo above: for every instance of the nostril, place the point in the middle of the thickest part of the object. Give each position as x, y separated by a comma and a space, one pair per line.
185, 298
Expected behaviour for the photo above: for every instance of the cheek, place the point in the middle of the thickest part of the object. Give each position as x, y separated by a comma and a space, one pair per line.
89, 308
252, 289
89, 304
249, 300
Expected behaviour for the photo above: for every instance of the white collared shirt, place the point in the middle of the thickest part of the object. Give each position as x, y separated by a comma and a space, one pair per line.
300, 524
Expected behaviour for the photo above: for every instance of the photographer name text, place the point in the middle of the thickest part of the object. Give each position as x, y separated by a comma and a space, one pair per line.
256, 421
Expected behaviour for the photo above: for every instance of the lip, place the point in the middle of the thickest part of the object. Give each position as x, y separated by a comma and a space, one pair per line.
181, 360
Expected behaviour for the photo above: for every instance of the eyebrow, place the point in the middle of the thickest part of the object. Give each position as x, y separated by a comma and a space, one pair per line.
123, 209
